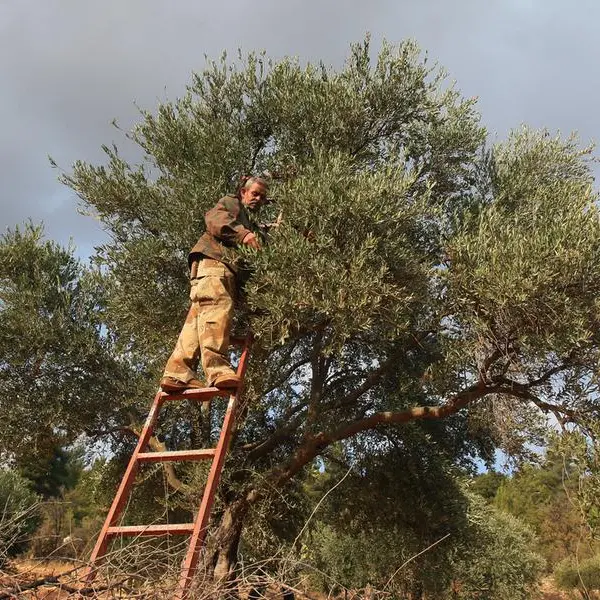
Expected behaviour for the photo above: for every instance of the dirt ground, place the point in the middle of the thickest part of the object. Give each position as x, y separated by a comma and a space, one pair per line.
550, 592
33, 580
19, 575
24, 573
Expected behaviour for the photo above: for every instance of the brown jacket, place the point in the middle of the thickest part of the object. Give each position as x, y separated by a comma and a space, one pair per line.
227, 224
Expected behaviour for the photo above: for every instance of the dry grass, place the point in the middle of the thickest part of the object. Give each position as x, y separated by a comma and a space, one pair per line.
55, 579
21, 573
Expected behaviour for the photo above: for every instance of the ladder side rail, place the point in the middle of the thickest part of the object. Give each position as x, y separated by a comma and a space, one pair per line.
197, 538
124, 487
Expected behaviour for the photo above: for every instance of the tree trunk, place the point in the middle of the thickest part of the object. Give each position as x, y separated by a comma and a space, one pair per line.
222, 549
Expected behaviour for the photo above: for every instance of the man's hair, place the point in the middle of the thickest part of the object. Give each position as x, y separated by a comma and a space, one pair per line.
247, 181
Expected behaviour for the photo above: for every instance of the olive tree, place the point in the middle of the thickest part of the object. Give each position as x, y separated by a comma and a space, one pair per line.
414, 276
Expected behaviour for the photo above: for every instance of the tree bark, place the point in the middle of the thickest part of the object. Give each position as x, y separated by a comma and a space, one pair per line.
222, 549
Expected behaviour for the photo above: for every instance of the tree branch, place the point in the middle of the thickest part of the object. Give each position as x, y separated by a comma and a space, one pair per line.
546, 376
279, 435
317, 383
285, 375
370, 380
317, 443
283, 433
523, 391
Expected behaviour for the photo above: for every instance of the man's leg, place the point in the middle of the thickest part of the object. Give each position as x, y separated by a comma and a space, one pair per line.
183, 362
214, 295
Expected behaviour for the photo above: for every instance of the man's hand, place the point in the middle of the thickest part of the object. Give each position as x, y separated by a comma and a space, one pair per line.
251, 240
275, 224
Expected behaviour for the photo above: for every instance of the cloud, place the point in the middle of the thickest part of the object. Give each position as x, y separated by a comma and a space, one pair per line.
68, 67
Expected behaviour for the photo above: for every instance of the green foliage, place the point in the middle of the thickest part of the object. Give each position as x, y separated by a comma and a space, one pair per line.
400, 236
366, 282
18, 514
366, 146
58, 368
583, 576
70, 521
522, 273
354, 558
401, 522
527, 257
497, 558
581, 455
543, 497
487, 484
53, 474
364, 510
488, 555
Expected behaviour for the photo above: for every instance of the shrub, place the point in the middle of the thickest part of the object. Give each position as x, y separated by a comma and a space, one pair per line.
497, 558
19, 516
492, 557
583, 576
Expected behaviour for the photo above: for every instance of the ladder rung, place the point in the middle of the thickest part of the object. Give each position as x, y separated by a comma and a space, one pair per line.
175, 455
199, 394
131, 530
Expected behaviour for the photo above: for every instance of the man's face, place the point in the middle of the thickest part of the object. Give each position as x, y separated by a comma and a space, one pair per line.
254, 196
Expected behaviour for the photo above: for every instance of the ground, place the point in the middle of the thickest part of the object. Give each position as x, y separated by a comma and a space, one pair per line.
21, 573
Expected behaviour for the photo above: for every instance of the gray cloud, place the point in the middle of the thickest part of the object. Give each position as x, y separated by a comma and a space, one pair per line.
68, 67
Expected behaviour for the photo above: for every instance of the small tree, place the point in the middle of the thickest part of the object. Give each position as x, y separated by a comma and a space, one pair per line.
582, 576
59, 376
18, 514
580, 453
496, 558
393, 519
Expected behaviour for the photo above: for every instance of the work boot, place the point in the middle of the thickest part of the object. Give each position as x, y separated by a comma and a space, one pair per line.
171, 385
226, 381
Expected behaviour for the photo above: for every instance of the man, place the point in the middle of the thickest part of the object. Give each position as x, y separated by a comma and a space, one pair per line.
205, 333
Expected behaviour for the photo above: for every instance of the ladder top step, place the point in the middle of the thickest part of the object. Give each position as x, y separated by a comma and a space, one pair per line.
168, 529
197, 394
176, 455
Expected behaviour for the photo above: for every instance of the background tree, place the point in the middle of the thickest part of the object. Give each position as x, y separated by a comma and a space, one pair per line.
580, 453
51, 475
60, 376
583, 576
496, 558
414, 275
542, 496
19, 514
396, 499
487, 484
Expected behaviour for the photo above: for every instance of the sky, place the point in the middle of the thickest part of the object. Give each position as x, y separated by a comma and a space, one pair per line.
69, 67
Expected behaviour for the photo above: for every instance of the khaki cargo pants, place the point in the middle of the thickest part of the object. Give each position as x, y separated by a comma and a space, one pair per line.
205, 333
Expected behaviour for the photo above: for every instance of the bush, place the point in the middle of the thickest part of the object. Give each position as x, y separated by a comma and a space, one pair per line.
582, 576
19, 516
355, 559
497, 558
70, 523
492, 557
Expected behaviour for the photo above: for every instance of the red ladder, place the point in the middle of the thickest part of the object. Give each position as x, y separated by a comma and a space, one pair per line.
197, 529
